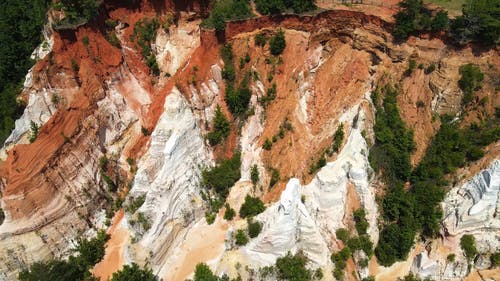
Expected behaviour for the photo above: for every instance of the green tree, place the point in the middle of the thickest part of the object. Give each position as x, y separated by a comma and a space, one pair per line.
468, 244
251, 207
241, 237
470, 81
133, 273
221, 128
203, 273
277, 43
293, 268
254, 228
254, 174
479, 22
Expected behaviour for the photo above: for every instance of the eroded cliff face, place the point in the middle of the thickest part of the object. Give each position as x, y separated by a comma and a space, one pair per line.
152, 129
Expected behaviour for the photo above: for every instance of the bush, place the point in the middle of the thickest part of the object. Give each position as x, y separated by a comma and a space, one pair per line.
468, 244
221, 128
254, 228
76, 267
135, 203
471, 77
203, 273
260, 39
275, 177
2, 216
450, 258
293, 268
360, 220
273, 7
133, 273
430, 69
342, 234
225, 10
254, 174
145, 33
251, 207
277, 43
495, 259
223, 176
268, 144
338, 138
230, 213
479, 22
34, 127
440, 21
241, 237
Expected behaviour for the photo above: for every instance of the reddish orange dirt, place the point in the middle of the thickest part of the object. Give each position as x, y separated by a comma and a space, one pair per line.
23, 167
114, 257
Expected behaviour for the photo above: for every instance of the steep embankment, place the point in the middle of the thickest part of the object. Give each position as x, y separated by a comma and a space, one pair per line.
152, 129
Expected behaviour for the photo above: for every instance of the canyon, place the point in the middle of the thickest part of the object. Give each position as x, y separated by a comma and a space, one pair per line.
152, 132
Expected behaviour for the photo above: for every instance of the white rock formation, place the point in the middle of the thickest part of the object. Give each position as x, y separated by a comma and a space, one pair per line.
287, 227
474, 205
326, 194
169, 174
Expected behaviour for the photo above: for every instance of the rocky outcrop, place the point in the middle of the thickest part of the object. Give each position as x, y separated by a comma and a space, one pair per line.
474, 205
169, 175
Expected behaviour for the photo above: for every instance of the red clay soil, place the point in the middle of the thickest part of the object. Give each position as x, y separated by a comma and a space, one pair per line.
24, 164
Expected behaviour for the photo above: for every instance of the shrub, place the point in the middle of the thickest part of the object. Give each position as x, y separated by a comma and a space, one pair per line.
230, 213
89, 252
145, 131
251, 207
411, 66
360, 220
318, 165
224, 175
254, 228
273, 7
471, 77
293, 268
275, 177
33, 131
450, 258
254, 174
2, 216
495, 259
268, 144
145, 33
85, 40
203, 273
468, 244
260, 39
210, 217
342, 234
338, 138
430, 68
135, 203
221, 128
225, 10
241, 237
479, 22
440, 21
277, 43
133, 272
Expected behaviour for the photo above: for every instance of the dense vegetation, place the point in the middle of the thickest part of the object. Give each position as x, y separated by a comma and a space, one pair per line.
75, 268
226, 10
293, 267
251, 207
480, 21
407, 212
21, 23
471, 77
277, 43
273, 7
237, 99
414, 17
145, 34
221, 128
77, 12
203, 273
221, 177
468, 244
133, 273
